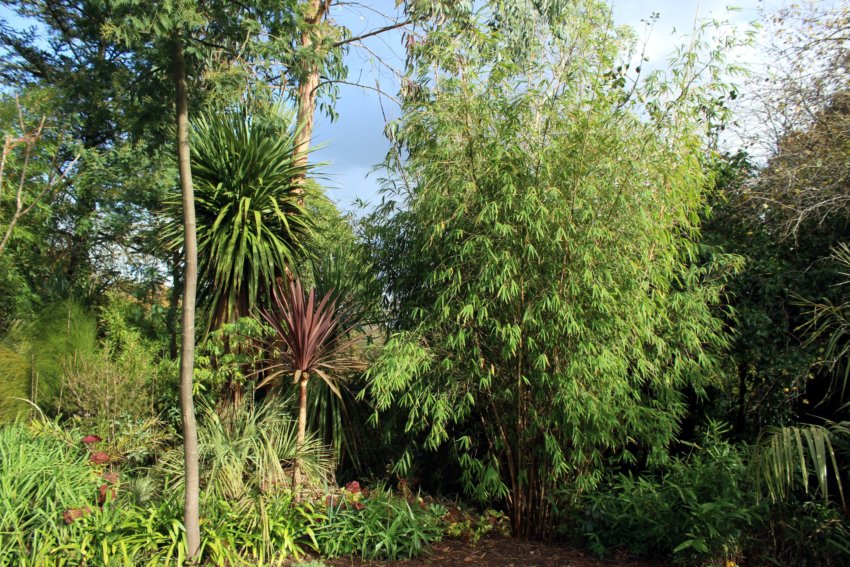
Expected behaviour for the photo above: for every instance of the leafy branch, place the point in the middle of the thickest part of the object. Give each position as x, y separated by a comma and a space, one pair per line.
29, 141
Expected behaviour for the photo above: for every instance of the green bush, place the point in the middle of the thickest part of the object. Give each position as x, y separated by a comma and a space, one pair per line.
800, 534
41, 477
377, 526
51, 513
697, 511
248, 452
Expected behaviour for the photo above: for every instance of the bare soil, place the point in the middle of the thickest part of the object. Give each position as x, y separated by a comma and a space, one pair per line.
501, 552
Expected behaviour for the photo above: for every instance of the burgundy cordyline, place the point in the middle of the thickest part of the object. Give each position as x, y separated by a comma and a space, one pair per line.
312, 337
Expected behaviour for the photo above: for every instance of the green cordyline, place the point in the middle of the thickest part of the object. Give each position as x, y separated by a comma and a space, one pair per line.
251, 221
310, 338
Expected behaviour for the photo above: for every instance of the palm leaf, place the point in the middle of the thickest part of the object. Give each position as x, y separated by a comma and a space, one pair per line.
786, 458
830, 322
250, 221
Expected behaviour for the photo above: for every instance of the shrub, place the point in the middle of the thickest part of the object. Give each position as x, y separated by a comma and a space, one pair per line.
41, 478
696, 511
251, 451
59, 506
799, 534
468, 526
377, 526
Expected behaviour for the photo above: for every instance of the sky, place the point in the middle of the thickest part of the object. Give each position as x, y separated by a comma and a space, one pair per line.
354, 144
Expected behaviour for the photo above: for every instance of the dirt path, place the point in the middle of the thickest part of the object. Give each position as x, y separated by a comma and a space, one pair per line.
501, 552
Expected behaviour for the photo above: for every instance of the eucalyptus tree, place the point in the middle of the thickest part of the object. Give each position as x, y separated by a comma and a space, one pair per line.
548, 203
217, 37
319, 61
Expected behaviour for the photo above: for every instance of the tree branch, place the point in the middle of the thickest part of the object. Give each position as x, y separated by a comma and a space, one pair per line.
373, 33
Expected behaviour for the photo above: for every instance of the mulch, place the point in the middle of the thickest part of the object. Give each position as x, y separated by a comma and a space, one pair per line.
501, 552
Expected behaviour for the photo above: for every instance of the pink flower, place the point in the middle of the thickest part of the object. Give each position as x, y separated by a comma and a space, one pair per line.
353, 487
89, 439
99, 458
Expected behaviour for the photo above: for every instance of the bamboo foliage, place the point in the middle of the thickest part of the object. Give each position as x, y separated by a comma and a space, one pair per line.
539, 255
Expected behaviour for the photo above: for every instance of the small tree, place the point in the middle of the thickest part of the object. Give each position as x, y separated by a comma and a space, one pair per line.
309, 339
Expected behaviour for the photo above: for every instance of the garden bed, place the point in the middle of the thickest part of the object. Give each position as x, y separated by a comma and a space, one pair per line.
499, 551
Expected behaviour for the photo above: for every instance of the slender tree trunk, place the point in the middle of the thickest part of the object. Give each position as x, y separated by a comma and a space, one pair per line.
741, 417
307, 90
173, 305
190, 281
302, 431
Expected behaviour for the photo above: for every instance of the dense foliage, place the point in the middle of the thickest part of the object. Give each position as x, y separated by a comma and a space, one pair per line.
576, 313
559, 314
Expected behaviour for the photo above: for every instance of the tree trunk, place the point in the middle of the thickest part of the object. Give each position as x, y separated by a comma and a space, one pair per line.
173, 305
307, 93
302, 431
191, 513
741, 417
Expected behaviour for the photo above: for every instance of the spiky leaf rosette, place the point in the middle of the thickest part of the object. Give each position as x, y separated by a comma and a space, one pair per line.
310, 336
251, 224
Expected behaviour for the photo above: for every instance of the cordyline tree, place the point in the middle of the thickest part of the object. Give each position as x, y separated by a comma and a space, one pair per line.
549, 213
310, 338
251, 225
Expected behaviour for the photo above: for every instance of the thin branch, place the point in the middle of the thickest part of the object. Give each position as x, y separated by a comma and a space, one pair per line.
373, 33
367, 87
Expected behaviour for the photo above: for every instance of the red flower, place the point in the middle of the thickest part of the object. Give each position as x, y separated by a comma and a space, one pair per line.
111, 477
358, 505
353, 487
99, 458
89, 439
102, 491
71, 515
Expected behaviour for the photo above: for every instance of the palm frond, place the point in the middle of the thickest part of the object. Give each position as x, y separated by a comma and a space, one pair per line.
830, 322
251, 451
787, 458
